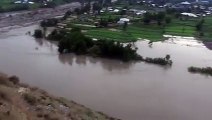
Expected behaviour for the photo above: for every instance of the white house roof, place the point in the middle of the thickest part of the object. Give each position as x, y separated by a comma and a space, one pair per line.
124, 19
17, 2
185, 3
116, 10
189, 14
140, 12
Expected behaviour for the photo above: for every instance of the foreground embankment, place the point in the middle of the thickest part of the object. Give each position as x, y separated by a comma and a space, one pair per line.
21, 102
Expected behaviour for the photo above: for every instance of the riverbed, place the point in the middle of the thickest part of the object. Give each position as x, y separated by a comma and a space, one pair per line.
130, 91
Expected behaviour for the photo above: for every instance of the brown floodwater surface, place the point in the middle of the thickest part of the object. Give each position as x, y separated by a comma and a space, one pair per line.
130, 91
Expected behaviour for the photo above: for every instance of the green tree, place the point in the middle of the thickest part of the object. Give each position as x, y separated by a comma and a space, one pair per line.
167, 57
38, 33
125, 25
168, 20
147, 18
199, 25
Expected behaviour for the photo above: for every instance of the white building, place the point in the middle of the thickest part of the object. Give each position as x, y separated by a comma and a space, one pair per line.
123, 20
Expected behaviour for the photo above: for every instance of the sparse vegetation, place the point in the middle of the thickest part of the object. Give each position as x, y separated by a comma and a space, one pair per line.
30, 99
206, 70
22, 103
49, 22
159, 61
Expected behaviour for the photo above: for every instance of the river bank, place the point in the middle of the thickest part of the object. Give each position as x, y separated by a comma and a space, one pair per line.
21, 102
25, 18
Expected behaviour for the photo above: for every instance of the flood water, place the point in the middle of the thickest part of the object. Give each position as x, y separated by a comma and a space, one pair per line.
130, 91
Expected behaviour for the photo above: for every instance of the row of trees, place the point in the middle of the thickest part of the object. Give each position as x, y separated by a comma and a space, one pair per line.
78, 43
15, 8
161, 61
206, 70
159, 17
75, 41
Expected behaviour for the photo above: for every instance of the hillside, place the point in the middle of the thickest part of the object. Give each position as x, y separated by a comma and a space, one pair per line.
21, 102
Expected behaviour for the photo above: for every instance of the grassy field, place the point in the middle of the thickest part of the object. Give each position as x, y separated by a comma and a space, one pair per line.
181, 28
132, 33
8, 5
207, 29
137, 30
140, 31
5, 3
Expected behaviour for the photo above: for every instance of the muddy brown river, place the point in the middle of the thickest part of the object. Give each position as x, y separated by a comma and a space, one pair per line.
130, 91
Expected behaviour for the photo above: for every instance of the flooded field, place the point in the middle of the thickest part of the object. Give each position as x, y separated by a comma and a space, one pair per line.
130, 91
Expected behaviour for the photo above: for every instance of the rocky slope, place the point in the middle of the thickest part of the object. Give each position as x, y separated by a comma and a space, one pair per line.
20, 102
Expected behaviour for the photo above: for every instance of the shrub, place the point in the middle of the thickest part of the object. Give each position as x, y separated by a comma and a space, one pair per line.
38, 33
5, 81
4, 96
49, 22
160, 61
206, 70
14, 79
168, 20
30, 99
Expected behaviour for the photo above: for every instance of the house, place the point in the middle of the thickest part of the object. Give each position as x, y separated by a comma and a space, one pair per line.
123, 20
189, 14
183, 6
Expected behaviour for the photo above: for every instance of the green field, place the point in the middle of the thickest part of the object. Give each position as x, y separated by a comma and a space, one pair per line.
140, 31
207, 29
153, 32
132, 33
5, 3
181, 28
8, 5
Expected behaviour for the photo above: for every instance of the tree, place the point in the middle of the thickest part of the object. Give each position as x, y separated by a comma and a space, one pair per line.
86, 8
49, 22
67, 14
38, 33
125, 25
106, 2
103, 23
77, 42
199, 25
123, 12
168, 20
160, 17
1, 9
97, 7
147, 18
77, 11
167, 57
